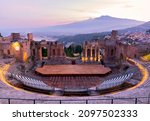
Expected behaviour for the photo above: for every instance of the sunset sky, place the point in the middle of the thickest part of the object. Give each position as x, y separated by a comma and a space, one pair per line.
38, 13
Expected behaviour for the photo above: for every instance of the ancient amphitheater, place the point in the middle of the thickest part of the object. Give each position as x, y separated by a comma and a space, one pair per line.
138, 93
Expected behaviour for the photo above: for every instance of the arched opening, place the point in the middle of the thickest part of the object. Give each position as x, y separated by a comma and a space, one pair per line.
58, 52
8, 51
88, 53
54, 52
112, 52
33, 52
93, 53
44, 52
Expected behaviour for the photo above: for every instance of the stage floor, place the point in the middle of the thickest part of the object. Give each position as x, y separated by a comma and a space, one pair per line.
73, 70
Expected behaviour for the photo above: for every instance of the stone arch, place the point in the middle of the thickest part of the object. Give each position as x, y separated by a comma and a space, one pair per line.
93, 52
58, 52
54, 52
44, 52
8, 52
112, 52
88, 52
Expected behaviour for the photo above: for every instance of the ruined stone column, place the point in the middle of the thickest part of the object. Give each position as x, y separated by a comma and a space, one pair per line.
40, 53
48, 52
86, 58
91, 56
95, 54
99, 55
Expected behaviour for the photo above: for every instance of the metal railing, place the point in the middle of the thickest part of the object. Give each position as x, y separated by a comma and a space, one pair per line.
132, 100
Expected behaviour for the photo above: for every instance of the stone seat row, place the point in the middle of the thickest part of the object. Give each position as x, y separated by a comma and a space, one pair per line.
113, 82
30, 82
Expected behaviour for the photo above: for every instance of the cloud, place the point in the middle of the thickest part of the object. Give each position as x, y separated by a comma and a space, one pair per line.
82, 10
128, 6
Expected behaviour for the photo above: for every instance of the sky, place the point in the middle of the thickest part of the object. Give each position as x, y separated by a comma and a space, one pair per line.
41, 13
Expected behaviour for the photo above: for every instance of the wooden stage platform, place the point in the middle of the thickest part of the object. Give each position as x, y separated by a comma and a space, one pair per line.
73, 70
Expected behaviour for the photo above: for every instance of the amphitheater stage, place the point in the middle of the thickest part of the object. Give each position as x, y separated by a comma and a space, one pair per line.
50, 70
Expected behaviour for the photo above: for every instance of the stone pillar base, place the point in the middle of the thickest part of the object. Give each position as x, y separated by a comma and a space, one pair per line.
95, 59
91, 58
83, 59
86, 59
